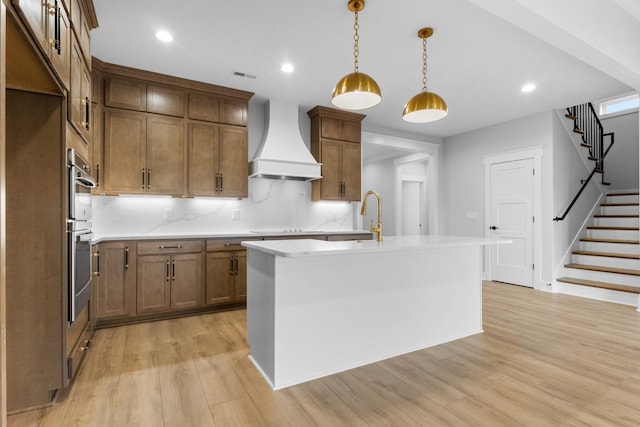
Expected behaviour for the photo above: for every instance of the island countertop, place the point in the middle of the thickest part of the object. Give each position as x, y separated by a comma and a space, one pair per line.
309, 247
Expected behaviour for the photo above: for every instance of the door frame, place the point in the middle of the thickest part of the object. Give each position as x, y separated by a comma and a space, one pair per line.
430, 189
536, 154
424, 214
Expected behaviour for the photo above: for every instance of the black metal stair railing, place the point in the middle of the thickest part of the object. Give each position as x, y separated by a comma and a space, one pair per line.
587, 124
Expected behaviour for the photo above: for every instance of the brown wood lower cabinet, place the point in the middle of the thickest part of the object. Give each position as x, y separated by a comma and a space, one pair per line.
115, 280
226, 277
169, 282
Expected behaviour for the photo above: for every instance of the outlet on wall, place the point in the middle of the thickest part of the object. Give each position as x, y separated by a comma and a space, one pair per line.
235, 214
168, 214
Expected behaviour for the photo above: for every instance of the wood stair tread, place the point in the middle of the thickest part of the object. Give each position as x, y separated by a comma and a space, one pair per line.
570, 116
607, 254
610, 227
619, 204
630, 193
616, 216
597, 240
602, 285
578, 131
600, 268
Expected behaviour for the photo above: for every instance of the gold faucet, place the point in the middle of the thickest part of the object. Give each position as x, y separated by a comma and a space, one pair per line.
363, 211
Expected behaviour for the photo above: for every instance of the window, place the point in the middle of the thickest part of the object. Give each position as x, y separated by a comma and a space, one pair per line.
620, 105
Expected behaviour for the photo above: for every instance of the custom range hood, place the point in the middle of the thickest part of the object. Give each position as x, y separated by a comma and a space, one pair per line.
282, 153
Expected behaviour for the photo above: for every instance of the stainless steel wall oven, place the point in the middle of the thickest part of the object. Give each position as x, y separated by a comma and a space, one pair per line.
80, 234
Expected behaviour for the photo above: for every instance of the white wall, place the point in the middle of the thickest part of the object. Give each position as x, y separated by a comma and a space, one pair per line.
380, 176
621, 164
463, 172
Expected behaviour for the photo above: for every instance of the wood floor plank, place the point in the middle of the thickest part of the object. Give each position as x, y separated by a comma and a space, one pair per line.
543, 360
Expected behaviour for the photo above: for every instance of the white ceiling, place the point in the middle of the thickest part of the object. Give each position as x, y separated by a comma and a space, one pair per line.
477, 60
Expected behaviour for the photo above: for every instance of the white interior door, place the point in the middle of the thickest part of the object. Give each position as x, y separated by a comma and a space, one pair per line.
411, 207
512, 219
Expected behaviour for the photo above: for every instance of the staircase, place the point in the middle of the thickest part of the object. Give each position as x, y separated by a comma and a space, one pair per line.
607, 263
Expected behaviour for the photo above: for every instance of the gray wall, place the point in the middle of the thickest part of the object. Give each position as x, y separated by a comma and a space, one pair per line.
621, 164
380, 176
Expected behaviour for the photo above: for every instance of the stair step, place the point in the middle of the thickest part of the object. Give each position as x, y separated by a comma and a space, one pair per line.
616, 216
630, 193
578, 131
570, 116
620, 204
608, 227
605, 183
607, 254
626, 271
602, 285
585, 145
595, 239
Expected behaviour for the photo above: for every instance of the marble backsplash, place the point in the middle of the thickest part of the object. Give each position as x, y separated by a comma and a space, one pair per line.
272, 205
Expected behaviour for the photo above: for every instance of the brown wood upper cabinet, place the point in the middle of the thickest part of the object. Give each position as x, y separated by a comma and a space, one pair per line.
50, 27
81, 27
80, 92
128, 94
335, 142
217, 109
218, 159
165, 100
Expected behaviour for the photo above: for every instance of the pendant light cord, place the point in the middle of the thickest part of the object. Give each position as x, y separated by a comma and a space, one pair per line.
356, 38
424, 64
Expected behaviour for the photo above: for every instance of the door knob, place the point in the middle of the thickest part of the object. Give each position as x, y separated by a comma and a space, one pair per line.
493, 227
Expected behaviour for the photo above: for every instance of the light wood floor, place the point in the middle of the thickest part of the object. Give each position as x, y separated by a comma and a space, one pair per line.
543, 360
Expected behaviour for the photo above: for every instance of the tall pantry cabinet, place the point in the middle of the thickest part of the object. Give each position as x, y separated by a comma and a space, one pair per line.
43, 350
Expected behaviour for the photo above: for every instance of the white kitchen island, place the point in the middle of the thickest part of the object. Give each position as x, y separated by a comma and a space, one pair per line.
315, 307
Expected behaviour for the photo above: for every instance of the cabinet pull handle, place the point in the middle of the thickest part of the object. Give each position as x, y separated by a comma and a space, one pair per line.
56, 31
143, 178
236, 269
173, 269
231, 272
167, 270
148, 179
221, 183
97, 255
170, 247
217, 183
126, 258
87, 113
97, 174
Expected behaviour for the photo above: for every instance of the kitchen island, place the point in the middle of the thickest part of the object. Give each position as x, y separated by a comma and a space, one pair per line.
315, 308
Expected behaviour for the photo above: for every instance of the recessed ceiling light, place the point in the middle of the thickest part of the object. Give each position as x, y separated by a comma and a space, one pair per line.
529, 87
287, 68
164, 36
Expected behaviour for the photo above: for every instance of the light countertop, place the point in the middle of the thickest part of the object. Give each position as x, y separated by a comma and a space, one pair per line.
220, 235
309, 247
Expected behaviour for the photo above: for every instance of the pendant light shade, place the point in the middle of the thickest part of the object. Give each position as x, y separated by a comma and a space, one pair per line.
356, 91
426, 106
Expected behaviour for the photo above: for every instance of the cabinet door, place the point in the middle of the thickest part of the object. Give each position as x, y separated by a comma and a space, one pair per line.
60, 49
80, 91
233, 162
125, 93
241, 276
330, 128
35, 13
331, 182
233, 112
350, 131
165, 155
96, 146
116, 281
124, 144
351, 165
186, 278
153, 284
164, 100
220, 277
203, 178
203, 107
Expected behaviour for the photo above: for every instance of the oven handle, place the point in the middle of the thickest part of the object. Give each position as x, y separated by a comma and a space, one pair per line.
85, 181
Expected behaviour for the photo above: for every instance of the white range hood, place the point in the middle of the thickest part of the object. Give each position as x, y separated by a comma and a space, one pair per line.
282, 153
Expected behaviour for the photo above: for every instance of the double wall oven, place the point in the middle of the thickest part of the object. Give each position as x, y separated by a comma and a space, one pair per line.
80, 234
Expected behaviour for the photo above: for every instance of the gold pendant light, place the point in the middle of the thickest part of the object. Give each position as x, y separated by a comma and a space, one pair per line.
356, 91
425, 106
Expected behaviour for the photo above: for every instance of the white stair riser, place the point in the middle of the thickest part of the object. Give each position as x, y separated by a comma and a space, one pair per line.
632, 264
600, 276
618, 248
618, 297
616, 222
613, 210
622, 199
614, 234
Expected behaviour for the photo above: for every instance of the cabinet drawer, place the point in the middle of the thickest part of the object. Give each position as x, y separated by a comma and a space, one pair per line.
217, 245
169, 247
